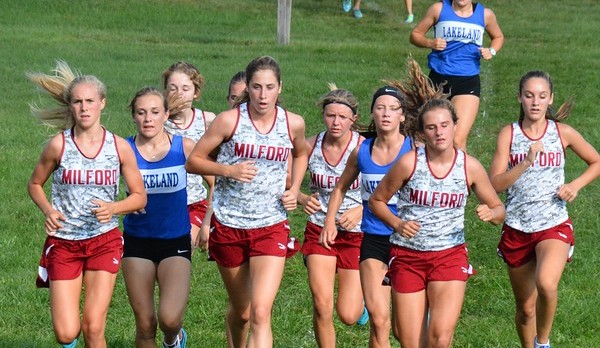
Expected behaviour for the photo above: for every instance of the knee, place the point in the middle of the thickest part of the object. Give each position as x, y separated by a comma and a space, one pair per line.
65, 337
261, 315
380, 322
170, 323
239, 316
440, 340
93, 330
526, 313
547, 289
323, 309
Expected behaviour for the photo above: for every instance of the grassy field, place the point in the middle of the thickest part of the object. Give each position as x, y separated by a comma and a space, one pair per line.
128, 44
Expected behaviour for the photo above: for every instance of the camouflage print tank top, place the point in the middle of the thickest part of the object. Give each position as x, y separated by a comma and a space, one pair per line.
532, 202
324, 175
78, 180
257, 203
437, 203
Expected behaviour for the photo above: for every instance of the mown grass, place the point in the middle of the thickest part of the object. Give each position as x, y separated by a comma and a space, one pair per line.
129, 43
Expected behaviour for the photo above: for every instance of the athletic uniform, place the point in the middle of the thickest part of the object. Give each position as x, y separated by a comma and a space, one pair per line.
458, 63
249, 218
534, 212
376, 239
163, 229
323, 177
196, 192
437, 251
83, 243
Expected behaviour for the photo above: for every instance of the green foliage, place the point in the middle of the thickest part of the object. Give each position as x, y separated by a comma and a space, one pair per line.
128, 44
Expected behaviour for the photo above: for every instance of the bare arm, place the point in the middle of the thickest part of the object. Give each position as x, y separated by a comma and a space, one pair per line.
199, 160
389, 185
571, 138
310, 203
495, 33
418, 35
501, 177
47, 163
349, 175
490, 208
299, 161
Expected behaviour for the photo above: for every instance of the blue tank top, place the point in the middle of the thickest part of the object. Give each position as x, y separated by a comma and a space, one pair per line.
371, 174
166, 215
464, 37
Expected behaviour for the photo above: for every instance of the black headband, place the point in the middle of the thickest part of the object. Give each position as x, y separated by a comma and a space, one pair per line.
340, 102
386, 90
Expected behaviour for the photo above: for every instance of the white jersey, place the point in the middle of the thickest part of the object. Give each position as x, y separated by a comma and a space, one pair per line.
532, 202
79, 180
324, 175
257, 203
195, 190
437, 203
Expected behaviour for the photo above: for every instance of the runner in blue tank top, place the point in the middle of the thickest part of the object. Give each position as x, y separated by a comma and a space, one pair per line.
370, 161
157, 239
456, 49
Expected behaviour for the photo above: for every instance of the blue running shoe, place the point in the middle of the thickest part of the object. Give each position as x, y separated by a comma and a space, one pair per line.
357, 14
540, 345
183, 338
70, 345
347, 5
364, 318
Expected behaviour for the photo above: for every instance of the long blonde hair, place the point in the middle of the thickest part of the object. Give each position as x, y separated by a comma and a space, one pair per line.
60, 86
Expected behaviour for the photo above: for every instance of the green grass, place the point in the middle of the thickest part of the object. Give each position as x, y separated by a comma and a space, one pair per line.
128, 44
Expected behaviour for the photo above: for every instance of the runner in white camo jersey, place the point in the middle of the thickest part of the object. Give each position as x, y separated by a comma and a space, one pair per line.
537, 237
183, 80
254, 142
328, 154
429, 265
84, 245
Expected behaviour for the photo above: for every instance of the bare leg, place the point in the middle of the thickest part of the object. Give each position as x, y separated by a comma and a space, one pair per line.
410, 317
445, 304
99, 286
522, 280
467, 107
64, 309
266, 273
551, 256
236, 282
174, 288
321, 279
139, 275
377, 299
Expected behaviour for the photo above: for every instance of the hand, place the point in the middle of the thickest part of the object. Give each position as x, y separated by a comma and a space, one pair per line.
567, 192
244, 171
312, 204
327, 237
438, 44
289, 200
534, 149
485, 53
104, 212
407, 229
53, 219
484, 213
203, 236
350, 218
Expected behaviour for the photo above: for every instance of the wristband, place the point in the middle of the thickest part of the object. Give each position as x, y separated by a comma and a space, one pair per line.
492, 52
